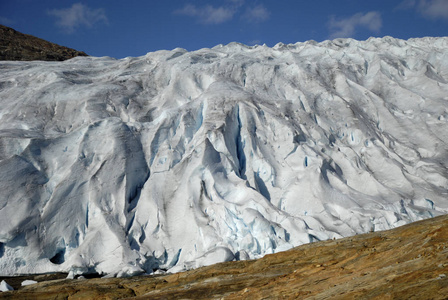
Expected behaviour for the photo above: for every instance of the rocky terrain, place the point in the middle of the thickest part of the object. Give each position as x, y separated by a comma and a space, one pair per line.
409, 262
18, 46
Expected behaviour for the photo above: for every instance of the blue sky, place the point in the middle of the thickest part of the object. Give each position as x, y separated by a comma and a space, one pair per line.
133, 28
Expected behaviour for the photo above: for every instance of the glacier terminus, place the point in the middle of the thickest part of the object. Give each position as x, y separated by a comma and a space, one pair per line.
176, 159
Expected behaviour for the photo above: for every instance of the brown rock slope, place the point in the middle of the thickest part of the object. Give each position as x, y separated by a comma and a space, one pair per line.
410, 262
18, 46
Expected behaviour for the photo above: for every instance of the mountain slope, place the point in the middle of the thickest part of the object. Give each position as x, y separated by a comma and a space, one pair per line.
178, 159
18, 46
409, 262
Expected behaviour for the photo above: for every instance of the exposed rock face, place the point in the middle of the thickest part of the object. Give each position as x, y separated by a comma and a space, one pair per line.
18, 46
407, 262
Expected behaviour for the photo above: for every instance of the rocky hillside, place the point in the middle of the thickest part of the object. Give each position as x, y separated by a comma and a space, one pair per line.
18, 46
409, 262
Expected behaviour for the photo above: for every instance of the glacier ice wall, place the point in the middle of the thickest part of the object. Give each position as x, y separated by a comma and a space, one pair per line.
180, 159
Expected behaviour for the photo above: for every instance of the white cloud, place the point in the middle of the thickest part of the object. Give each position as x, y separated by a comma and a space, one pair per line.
78, 15
207, 14
256, 14
432, 9
347, 27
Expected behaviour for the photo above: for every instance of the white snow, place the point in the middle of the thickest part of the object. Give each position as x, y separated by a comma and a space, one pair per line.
178, 159
28, 282
4, 287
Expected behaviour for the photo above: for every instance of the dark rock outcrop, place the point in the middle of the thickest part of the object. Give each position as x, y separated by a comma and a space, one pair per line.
18, 46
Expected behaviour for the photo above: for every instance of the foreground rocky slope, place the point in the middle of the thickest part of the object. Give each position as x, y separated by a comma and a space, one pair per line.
18, 46
177, 160
409, 262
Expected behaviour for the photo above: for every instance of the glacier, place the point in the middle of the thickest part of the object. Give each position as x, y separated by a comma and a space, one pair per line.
176, 159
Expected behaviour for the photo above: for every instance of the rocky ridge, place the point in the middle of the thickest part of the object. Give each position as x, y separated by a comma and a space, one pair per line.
18, 46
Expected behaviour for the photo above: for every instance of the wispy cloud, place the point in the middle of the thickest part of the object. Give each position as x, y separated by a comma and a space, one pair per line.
6, 21
347, 27
254, 42
79, 15
207, 14
256, 14
210, 14
431, 9
236, 3
406, 4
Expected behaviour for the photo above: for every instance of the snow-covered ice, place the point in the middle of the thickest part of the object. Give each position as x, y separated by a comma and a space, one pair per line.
177, 159
4, 287
28, 282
